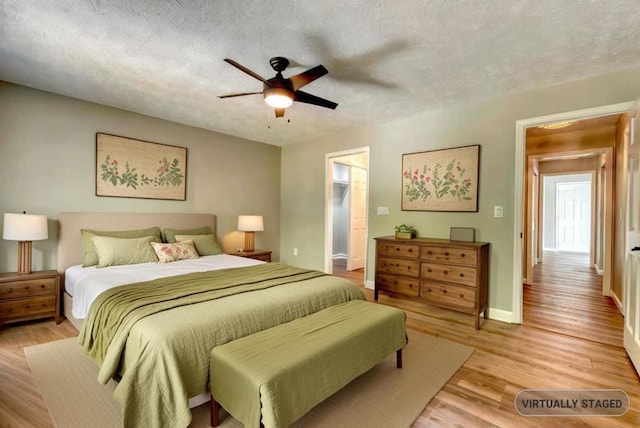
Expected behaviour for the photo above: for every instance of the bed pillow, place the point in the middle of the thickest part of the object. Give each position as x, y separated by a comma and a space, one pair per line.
90, 256
173, 251
169, 235
206, 245
124, 251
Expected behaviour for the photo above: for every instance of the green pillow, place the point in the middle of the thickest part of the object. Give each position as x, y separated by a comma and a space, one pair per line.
170, 234
206, 245
90, 256
124, 251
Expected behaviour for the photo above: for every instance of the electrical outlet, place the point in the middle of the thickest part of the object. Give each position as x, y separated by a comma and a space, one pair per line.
498, 211
295, 251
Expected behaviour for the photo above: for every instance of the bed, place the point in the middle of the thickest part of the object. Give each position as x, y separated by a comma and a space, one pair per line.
161, 358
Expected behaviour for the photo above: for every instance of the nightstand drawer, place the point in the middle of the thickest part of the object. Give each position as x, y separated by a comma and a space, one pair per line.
27, 287
263, 257
22, 307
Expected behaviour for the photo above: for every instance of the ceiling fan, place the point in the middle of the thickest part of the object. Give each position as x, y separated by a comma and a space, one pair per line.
280, 92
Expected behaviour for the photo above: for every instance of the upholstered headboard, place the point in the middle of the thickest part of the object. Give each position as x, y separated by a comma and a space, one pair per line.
71, 252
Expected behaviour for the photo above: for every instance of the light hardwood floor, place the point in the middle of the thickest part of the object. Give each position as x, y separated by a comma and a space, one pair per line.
508, 358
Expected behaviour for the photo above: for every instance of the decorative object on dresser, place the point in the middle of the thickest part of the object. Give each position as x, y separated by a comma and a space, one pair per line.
29, 296
405, 232
250, 224
465, 234
441, 180
25, 228
256, 254
439, 272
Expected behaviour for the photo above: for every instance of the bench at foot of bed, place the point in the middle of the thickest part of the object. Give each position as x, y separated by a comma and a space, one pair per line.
277, 375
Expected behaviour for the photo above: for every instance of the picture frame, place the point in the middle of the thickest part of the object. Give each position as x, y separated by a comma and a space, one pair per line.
130, 168
441, 180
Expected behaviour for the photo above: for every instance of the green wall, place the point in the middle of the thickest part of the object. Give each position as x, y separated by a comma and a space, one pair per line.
47, 153
490, 123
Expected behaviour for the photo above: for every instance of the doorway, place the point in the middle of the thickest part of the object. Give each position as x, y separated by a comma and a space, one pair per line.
523, 223
346, 217
567, 213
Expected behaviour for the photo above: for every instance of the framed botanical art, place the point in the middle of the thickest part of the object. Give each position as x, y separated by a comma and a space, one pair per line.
130, 168
441, 180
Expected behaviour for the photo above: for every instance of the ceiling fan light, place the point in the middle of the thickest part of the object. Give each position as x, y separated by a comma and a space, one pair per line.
278, 97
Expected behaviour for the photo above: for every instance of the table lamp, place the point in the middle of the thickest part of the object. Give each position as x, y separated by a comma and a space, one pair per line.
24, 228
249, 224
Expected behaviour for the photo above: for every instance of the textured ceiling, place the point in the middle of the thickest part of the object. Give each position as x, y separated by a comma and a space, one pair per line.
387, 59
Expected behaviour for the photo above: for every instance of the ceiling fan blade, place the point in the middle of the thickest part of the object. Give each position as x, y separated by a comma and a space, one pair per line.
239, 95
304, 97
279, 112
299, 80
246, 70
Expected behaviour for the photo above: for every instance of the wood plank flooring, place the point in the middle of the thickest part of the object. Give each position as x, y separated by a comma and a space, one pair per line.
508, 358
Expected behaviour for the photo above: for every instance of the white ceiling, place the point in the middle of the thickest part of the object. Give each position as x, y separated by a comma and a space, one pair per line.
387, 59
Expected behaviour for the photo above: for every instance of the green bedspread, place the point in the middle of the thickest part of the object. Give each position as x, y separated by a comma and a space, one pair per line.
159, 334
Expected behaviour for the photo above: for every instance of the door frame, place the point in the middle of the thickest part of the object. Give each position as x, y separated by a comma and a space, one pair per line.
518, 200
328, 204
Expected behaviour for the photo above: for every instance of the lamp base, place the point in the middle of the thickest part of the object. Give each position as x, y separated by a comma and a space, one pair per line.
24, 257
249, 242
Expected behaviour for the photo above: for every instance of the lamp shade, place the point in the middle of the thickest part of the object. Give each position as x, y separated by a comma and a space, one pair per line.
250, 223
25, 227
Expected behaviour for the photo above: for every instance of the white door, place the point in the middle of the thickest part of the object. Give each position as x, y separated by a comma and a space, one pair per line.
573, 226
632, 277
357, 219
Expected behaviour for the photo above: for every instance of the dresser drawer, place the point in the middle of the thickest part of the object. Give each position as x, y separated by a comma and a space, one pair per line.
448, 294
27, 287
398, 250
396, 284
449, 273
22, 307
398, 266
461, 256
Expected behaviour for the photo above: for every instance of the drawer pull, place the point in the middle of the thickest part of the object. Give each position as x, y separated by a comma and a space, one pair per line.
411, 250
461, 275
27, 306
446, 272
428, 290
462, 295
444, 291
446, 253
429, 252
42, 286
462, 255
26, 287
397, 264
428, 269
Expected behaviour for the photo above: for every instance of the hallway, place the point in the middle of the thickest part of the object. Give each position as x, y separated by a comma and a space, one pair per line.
565, 297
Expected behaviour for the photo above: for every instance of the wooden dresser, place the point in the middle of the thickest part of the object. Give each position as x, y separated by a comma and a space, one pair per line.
30, 296
449, 274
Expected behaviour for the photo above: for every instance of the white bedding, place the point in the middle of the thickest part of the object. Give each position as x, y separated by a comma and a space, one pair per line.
85, 284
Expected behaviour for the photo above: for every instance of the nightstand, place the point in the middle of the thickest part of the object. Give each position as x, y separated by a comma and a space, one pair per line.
29, 296
263, 255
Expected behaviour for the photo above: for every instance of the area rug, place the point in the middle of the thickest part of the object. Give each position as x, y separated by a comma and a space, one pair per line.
383, 397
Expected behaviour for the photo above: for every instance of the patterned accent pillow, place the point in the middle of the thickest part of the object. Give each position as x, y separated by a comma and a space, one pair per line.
171, 252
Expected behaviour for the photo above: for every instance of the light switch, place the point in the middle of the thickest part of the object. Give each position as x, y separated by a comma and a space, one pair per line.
498, 211
383, 210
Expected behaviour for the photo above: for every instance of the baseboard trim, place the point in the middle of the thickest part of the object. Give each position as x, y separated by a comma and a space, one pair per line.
371, 285
618, 303
500, 315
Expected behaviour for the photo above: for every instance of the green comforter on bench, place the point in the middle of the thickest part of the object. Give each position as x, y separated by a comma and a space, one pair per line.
159, 334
